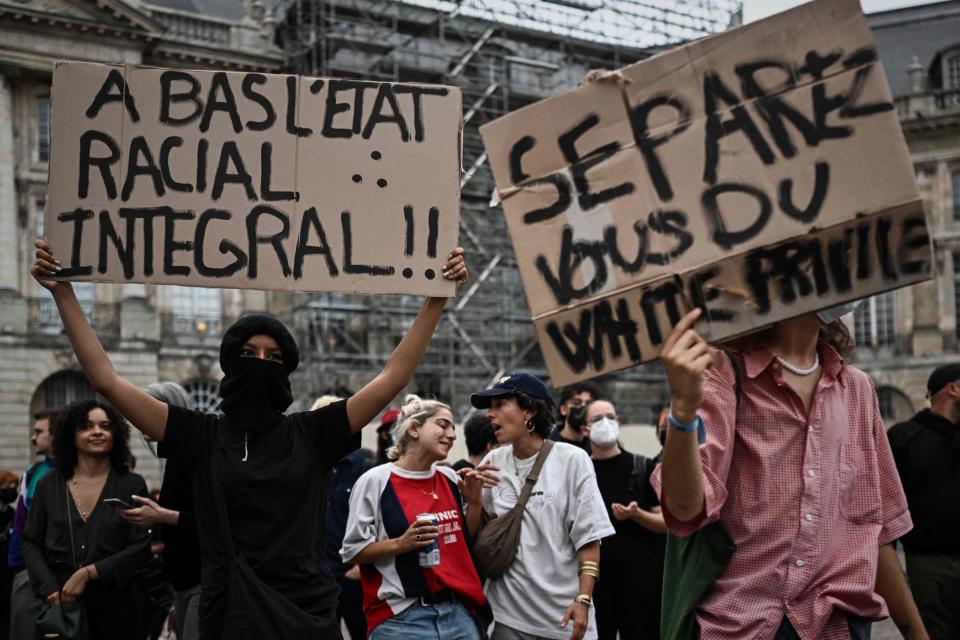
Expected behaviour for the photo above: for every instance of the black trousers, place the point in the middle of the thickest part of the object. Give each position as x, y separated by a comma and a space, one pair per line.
626, 600
935, 584
114, 615
350, 609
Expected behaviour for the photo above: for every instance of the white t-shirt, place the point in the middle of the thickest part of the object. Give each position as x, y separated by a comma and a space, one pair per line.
564, 513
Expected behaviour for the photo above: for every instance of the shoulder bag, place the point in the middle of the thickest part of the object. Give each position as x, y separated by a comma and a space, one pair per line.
496, 546
67, 620
692, 563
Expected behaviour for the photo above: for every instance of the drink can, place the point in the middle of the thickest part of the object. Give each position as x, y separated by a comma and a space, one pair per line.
430, 556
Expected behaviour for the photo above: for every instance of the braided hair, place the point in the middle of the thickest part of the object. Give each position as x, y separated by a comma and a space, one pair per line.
414, 412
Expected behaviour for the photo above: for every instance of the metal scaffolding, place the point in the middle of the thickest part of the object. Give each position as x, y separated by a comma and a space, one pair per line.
504, 54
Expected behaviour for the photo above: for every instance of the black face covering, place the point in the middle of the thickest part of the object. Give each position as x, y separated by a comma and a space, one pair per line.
255, 394
8, 495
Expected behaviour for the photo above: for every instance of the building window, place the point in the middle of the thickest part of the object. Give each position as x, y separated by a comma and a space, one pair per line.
205, 394
196, 310
956, 195
875, 321
63, 389
85, 291
43, 128
48, 319
894, 404
38, 211
953, 72
956, 286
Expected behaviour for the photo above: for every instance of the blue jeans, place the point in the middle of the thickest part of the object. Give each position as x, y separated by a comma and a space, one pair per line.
859, 629
444, 621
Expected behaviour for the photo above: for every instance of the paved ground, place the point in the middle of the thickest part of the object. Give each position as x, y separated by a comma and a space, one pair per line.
885, 630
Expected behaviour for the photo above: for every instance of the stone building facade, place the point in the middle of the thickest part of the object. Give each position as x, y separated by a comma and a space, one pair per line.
902, 335
152, 333
172, 333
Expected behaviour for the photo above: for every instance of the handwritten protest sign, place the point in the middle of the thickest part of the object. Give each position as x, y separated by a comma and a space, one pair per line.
253, 180
759, 174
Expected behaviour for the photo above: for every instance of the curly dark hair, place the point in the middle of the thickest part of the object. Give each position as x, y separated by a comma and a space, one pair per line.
543, 418
478, 433
64, 437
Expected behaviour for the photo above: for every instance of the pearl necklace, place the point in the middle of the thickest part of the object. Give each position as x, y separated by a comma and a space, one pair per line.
797, 370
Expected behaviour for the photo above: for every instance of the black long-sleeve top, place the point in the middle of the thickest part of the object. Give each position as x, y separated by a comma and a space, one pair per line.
926, 449
181, 542
116, 547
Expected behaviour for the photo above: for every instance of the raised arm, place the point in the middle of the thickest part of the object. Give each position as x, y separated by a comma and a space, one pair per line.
685, 357
142, 410
363, 406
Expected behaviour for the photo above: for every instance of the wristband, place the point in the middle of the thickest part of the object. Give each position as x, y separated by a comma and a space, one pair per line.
696, 425
585, 600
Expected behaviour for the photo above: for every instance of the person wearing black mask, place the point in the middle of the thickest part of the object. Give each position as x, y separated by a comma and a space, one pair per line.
260, 477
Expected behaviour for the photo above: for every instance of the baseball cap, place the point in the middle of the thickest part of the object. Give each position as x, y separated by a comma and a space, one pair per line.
942, 376
509, 384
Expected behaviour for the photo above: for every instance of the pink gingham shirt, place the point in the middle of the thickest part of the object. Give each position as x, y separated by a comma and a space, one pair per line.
807, 499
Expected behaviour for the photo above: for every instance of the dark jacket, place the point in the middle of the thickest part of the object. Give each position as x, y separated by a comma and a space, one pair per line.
926, 449
181, 543
117, 548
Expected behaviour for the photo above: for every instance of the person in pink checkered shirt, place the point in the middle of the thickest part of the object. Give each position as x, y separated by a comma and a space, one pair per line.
799, 473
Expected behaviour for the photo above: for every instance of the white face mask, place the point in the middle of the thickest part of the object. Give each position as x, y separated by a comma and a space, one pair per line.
830, 314
604, 432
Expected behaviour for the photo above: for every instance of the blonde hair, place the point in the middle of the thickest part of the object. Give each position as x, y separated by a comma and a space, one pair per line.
414, 412
323, 401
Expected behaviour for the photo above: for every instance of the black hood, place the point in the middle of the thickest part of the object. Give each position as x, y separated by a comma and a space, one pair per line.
256, 324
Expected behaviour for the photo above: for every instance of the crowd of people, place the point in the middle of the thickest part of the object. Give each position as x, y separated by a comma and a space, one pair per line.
771, 512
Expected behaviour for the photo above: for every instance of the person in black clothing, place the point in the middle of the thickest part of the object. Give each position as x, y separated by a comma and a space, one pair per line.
344, 475
174, 513
385, 434
8, 496
627, 600
570, 410
926, 449
480, 441
260, 477
77, 547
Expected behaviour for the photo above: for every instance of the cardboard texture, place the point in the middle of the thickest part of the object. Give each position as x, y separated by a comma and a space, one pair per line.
232, 179
760, 174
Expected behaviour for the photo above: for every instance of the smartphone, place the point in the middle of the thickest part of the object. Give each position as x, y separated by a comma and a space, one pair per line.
117, 503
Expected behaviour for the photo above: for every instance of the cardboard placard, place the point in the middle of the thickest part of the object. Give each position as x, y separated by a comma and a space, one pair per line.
251, 180
760, 174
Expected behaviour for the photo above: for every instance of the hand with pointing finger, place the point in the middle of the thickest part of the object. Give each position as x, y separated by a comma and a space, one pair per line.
686, 356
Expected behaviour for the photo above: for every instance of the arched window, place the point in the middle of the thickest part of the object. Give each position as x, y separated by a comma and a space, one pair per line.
61, 390
895, 406
205, 394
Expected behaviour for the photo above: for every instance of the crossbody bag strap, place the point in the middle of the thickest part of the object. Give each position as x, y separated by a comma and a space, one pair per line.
73, 546
533, 476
